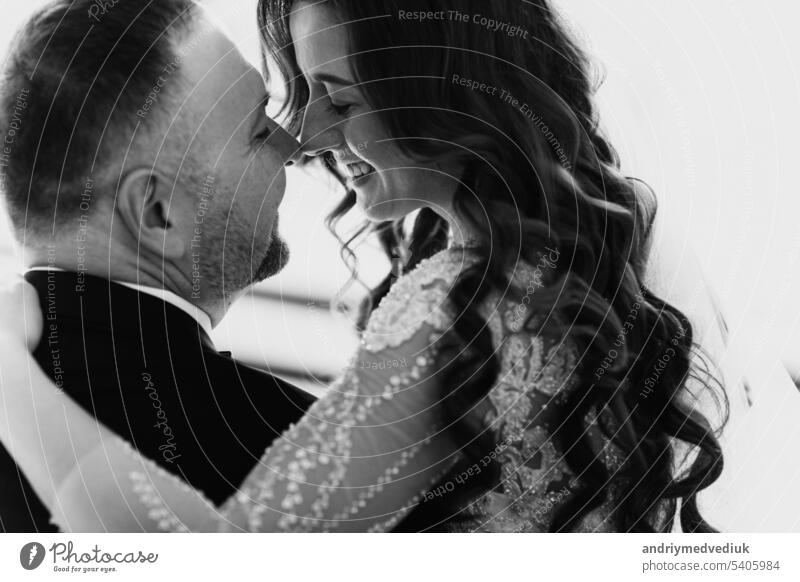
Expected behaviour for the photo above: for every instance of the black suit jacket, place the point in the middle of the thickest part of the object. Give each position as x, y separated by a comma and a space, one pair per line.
148, 371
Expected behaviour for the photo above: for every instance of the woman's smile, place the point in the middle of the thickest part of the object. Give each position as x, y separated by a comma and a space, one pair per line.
357, 170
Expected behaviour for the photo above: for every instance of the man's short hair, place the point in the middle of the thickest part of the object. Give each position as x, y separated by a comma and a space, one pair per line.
79, 78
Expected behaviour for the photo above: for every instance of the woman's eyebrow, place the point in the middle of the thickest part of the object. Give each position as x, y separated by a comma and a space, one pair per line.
332, 79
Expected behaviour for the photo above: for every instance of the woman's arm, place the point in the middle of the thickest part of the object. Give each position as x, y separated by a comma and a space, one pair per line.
359, 459
53, 440
34, 425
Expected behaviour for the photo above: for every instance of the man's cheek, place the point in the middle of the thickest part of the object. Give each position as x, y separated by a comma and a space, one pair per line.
275, 190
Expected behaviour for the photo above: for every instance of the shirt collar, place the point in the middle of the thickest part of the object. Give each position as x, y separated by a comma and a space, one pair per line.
200, 316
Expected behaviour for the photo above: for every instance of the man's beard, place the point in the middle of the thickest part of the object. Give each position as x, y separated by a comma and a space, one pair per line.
228, 274
227, 262
275, 260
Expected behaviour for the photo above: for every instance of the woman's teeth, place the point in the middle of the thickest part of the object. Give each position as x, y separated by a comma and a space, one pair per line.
359, 169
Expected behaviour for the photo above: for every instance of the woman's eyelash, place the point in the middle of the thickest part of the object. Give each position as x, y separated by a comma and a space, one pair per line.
264, 134
341, 109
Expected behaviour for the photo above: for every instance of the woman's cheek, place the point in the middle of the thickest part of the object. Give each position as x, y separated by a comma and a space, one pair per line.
364, 138
359, 146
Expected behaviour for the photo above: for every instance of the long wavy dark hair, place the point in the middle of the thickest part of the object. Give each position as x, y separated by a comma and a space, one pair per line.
538, 172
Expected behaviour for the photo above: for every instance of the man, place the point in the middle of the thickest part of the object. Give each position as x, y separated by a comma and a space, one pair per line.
143, 179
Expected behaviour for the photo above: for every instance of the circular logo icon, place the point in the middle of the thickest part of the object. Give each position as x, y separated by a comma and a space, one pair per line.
31, 555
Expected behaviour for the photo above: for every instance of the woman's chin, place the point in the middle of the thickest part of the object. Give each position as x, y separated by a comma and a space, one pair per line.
372, 204
377, 205
378, 212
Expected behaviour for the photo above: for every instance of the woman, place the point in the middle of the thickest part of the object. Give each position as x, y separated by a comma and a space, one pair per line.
519, 376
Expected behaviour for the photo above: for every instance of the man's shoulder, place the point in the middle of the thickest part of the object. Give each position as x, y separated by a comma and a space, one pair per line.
255, 382
106, 333
21, 511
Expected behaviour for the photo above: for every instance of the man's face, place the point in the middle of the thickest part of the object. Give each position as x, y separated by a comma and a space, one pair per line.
232, 169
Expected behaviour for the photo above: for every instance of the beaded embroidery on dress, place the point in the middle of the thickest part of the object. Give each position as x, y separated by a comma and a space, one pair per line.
537, 373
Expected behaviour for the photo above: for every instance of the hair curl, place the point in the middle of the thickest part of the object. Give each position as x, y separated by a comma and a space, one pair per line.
538, 172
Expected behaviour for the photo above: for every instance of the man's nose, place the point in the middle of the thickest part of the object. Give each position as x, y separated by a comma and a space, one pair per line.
287, 146
320, 132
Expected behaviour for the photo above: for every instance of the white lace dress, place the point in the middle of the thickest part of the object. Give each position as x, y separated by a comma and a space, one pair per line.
375, 446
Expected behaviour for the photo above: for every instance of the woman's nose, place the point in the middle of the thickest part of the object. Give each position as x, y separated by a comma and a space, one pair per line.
320, 131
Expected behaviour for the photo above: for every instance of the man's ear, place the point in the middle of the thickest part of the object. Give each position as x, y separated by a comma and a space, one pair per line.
144, 199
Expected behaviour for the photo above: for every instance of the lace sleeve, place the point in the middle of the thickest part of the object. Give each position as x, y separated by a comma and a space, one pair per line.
358, 461
361, 457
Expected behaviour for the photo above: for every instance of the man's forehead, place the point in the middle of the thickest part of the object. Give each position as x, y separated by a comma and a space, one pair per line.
218, 92
211, 63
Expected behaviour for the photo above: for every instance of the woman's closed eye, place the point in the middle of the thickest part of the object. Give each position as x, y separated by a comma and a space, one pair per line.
341, 109
264, 134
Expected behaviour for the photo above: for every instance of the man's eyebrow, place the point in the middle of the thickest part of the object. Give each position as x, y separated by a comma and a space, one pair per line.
330, 78
262, 105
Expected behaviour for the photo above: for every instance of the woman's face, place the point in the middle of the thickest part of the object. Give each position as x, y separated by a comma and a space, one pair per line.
337, 119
